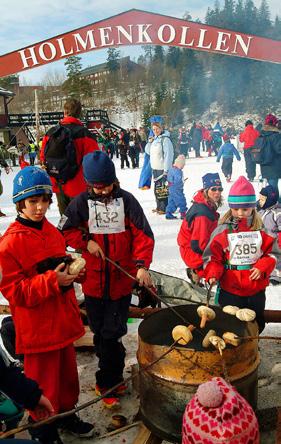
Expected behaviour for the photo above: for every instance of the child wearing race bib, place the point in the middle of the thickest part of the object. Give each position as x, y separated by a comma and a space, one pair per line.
108, 222
238, 256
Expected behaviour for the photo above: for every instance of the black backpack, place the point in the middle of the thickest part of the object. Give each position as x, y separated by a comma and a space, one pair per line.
262, 152
60, 153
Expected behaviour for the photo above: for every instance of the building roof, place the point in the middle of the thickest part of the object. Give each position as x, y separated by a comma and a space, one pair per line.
103, 66
6, 93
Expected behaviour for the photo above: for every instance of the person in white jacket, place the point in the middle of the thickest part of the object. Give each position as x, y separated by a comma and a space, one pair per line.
161, 152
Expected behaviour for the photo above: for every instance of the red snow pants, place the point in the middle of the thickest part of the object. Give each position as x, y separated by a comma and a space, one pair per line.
56, 373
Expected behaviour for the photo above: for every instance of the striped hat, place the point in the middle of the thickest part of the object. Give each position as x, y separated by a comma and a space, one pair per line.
242, 194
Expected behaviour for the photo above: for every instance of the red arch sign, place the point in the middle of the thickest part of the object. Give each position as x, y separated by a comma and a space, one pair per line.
137, 27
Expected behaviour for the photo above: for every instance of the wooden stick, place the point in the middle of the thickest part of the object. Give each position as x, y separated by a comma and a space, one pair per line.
120, 430
86, 404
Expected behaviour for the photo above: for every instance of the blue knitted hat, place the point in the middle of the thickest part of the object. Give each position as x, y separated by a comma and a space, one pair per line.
211, 180
98, 168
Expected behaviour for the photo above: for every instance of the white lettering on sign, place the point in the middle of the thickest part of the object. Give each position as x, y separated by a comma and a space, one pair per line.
143, 35
62, 48
172, 33
105, 36
25, 57
123, 32
86, 43
244, 46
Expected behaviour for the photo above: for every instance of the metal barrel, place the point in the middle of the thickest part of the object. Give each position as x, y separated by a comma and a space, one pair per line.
167, 386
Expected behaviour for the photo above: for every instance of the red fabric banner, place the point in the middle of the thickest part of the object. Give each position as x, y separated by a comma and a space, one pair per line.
137, 27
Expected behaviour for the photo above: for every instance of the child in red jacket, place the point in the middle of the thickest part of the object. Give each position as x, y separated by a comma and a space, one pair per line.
240, 253
39, 289
108, 222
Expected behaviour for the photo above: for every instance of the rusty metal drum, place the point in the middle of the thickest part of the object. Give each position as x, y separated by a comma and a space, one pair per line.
167, 386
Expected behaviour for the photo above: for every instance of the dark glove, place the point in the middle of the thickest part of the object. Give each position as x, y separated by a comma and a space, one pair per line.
146, 299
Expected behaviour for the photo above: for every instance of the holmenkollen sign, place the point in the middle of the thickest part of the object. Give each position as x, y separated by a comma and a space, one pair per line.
137, 27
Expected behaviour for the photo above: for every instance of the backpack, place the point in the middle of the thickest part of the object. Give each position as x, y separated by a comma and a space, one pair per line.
262, 152
60, 154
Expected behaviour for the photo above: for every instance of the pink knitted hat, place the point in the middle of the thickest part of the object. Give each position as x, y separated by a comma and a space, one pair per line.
242, 194
217, 414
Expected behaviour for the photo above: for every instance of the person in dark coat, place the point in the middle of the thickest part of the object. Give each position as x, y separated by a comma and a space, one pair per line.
24, 391
197, 138
200, 221
271, 135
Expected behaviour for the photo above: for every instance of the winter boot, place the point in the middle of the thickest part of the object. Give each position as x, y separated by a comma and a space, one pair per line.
45, 434
111, 400
170, 216
74, 425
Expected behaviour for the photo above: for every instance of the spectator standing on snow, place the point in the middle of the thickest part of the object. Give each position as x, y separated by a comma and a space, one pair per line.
124, 148
270, 212
84, 142
197, 137
270, 143
248, 137
227, 151
239, 255
161, 152
183, 141
200, 221
176, 197
107, 221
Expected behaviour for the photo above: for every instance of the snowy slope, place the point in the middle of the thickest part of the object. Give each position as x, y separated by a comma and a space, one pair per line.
166, 255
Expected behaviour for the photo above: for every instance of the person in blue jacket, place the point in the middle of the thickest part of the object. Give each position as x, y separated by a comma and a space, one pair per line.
176, 197
226, 152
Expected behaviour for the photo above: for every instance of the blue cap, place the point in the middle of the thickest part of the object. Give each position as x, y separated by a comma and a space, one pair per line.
31, 181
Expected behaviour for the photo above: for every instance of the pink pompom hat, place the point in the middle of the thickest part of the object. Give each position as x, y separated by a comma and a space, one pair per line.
218, 414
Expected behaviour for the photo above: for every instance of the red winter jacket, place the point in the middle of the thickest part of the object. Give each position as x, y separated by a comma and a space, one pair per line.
237, 281
249, 136
84, 143
196, 229
45, 317
129, 248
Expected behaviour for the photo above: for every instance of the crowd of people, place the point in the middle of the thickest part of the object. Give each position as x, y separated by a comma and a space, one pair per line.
239, 252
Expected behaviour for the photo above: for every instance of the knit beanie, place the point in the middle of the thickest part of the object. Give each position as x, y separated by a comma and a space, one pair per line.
98, 169
218, 414
242, 194
180, 161
270, 119
211, 180
272, 196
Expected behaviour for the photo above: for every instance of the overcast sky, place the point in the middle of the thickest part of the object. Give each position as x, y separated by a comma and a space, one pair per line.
25, 22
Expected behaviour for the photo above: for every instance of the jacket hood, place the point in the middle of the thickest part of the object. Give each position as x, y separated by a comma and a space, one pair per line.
269, 129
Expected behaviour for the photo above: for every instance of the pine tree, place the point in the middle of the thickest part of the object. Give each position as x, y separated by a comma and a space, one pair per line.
9, 81
113, 56
173, 56
76, 85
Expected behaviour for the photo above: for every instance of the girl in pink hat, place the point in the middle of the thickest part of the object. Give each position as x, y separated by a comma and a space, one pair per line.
239, 253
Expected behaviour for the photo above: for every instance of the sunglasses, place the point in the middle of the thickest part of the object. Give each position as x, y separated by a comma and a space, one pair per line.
216, 189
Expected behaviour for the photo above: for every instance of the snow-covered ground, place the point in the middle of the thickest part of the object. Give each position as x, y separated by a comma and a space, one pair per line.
166, 257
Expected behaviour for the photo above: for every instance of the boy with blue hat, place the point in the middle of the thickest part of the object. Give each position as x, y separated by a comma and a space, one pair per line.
40, 292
